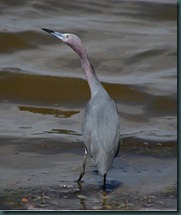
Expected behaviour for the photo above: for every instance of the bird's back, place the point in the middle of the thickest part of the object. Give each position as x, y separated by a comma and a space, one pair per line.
101, 130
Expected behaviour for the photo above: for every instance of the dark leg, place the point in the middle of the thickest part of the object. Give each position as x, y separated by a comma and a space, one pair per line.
83, 166
104, 185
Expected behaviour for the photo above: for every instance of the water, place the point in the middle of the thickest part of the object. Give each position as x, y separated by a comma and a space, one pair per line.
43, 91
132, 45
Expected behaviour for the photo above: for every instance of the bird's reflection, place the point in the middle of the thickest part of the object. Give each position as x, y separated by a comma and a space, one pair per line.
103, 197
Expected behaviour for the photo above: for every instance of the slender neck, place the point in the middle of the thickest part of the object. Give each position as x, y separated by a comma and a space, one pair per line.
88, 69
90, 74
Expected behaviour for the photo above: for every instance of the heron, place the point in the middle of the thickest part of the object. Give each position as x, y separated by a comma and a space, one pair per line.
101, 122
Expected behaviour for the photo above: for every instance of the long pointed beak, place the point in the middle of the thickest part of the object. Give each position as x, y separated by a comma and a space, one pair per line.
56, 34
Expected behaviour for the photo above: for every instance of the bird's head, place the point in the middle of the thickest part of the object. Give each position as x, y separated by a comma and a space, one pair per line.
70, 39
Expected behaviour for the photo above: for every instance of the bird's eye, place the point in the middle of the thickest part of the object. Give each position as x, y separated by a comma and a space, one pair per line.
67, 36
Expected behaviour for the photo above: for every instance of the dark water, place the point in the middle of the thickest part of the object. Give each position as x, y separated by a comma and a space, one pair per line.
132, 45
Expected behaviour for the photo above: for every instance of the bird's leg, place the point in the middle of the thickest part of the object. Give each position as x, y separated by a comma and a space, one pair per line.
83, 166
104, 182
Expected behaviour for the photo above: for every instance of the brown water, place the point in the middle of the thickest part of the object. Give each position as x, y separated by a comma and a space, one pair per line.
132, 45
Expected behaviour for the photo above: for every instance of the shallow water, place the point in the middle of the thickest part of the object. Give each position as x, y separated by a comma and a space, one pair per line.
133, 47
143, 177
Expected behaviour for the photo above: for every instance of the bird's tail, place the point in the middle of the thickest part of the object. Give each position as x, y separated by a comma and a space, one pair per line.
103, 162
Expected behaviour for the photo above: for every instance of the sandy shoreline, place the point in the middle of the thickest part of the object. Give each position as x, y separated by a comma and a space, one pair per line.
37, 172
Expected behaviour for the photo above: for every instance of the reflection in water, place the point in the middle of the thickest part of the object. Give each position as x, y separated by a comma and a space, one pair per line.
102, 195
102, 200
49, 111
82, 201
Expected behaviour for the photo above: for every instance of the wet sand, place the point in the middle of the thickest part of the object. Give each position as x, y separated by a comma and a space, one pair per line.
40, 174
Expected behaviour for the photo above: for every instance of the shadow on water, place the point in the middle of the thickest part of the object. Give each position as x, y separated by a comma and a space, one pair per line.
111, 186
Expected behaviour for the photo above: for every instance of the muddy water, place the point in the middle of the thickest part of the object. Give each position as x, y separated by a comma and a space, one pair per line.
132, 45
